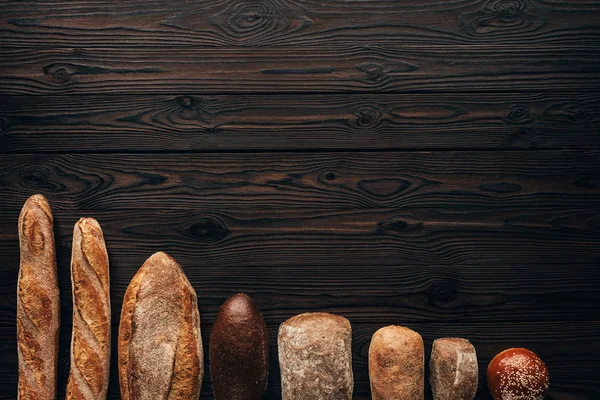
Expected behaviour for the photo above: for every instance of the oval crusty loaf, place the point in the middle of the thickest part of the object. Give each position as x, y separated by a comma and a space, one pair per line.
90, 340
160, 348
453, 370
315, 357
239, 351
38, 314
397, 364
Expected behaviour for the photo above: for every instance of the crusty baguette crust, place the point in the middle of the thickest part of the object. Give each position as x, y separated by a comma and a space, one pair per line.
160, 346
315, 357
38, 308
453, 370
397, 364
90, 341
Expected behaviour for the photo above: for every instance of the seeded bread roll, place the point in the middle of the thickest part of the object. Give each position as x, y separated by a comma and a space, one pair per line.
315, 357
160, 348
90, 340
453, 370
239, 351
397, 364
38, 308
518, 374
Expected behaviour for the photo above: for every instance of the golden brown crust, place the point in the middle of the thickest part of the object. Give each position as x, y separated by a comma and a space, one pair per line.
38, 316
184, 384
396, 364
90, 342
160, 348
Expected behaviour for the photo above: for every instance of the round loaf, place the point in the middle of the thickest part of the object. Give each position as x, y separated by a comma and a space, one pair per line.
239, 351
397, 364
517, 374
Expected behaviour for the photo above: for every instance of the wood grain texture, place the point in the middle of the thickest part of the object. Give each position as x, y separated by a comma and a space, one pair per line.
300, 69
283, 122
385, 237
551, 181
220, 23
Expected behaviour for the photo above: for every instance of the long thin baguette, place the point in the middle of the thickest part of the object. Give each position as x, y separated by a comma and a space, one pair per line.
90, 341
160, 347
38, 308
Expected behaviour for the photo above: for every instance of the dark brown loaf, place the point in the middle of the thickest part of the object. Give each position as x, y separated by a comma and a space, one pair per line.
453, 370
397, 364
38, 314
315, 357
160, 348
239, 351
90, 340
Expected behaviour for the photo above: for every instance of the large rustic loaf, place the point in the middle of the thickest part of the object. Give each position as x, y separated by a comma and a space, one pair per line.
90, 340
315, 357
396, 364
38, 314
453, 370
160, 348
239, 351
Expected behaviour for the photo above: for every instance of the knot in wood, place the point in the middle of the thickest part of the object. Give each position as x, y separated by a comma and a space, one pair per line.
59, 73
187, 101
374, 72
35, 176
367, 116
518, 113
209, 230
442, 290
508, 10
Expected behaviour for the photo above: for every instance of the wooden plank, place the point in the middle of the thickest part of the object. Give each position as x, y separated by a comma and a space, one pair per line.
569, 350
284, 122
541, 181
296, 236
220, 23
364, 68
396, 290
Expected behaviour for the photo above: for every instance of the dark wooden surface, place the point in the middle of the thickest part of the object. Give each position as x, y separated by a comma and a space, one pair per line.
434, 164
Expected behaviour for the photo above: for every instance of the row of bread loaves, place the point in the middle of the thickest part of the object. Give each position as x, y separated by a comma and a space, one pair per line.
160, 353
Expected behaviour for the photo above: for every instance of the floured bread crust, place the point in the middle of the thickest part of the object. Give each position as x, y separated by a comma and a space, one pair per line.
453, 369
397, 364
160, 347
315, 357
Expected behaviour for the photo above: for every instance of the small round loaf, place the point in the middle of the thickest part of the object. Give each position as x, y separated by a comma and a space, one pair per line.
239, 351
453, 369
517, 374
397, 364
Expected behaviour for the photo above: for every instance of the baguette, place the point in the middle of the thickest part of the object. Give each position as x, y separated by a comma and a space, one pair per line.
239, 351
397, 364
453, 369
90, 340
160, 347
315, 357
38, 308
